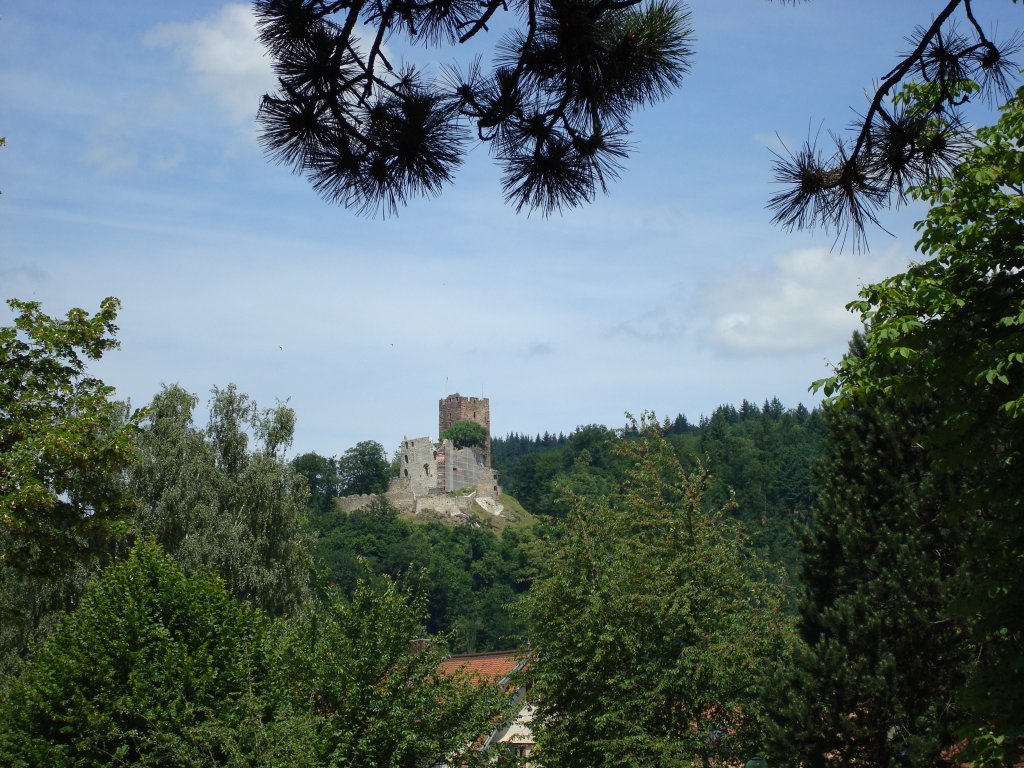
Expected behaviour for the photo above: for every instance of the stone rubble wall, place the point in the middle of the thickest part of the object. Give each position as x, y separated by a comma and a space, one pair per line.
352, 503
454, 509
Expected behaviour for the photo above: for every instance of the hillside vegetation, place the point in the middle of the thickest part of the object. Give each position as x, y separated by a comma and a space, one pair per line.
758, 463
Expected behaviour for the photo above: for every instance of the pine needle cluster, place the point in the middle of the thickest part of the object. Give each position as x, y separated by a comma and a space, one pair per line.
912, 133
554, 107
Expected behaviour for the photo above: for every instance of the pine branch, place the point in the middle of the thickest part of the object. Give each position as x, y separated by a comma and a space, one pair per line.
564, 86
912, 132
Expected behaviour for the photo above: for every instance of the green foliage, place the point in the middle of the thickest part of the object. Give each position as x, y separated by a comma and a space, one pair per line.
466, 434
321, 475
540, 471
956, 321
880, 661
64, 443
654, 623
759, 462
215, 504
64, 447
152, 669
364, 468
469, 576
506, 451
761, 458
155, 668
31, 604
354, 693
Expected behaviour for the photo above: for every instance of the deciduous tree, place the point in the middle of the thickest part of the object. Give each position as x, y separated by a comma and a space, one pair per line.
152, 668
216, 504
354, 689
364, 468
157, 668
64, 443
955, 325
64, 447
321, 475
654, 625
466, 434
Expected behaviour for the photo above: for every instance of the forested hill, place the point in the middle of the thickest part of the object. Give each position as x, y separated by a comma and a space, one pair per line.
762, 454
472, 576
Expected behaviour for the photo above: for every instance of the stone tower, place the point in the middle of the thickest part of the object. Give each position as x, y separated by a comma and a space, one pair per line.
458, 408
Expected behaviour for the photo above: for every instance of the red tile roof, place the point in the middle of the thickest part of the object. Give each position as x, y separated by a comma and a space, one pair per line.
492, 666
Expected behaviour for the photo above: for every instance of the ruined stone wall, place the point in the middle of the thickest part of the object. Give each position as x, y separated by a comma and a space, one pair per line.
419, 465
465, 468
457, 510
352, 503
400, 496
458, 408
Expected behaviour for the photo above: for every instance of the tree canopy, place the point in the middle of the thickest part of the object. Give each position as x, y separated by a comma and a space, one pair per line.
357, 687
63, 441
880, 660
654, 625
554, 107
363, 468
466, 434
758, 459
955, 325
215, 503
321, 474
157, 668
152, 668
469, 576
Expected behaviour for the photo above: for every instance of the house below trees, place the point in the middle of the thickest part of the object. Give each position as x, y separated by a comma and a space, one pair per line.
501, 668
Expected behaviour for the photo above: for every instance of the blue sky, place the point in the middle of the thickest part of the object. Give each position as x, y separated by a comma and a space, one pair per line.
131, 169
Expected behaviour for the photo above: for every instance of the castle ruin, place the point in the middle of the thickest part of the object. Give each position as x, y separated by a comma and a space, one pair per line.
430, 472
430, 469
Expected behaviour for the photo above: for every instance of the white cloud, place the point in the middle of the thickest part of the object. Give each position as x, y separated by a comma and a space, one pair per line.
796, 305
223, 55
